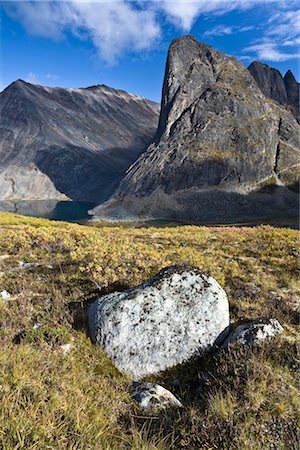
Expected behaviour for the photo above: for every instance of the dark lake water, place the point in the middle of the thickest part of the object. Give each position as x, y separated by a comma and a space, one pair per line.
50, 209
77, 212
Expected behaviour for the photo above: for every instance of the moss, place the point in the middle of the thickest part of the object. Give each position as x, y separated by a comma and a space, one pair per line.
203, 151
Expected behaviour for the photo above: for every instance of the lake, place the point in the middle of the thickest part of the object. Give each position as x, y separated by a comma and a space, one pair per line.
77, 212
68, 211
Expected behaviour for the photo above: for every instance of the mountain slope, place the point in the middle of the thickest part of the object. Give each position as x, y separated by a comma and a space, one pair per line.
284, 90
72, 142
219, 142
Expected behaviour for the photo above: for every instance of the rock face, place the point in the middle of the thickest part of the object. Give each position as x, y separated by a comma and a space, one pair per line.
254, 333
285, 90
153, 396
269, 81
293, 93
75, 143
179, 314
220, 144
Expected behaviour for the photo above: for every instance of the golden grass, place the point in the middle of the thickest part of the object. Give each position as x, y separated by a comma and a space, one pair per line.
245, 398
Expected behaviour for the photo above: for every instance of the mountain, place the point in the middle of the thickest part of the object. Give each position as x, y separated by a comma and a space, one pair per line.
285, 91
77, 143
222, 151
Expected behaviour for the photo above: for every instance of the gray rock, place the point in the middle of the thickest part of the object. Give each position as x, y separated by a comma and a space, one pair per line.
293, 93
151, 396
223, 150
179, 314
70, 143
254, 333
285, 91
4, 295
269, 81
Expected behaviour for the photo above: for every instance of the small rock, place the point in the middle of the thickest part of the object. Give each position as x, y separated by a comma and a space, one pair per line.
26, 265
66, 347
154, 396
254, 333
179, 314
4, 295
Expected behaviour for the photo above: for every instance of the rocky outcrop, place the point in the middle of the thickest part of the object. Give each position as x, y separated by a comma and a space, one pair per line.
179, 314
222, 151
269, 81
151, 396
254, 333
293, 93
75, 143
285, 90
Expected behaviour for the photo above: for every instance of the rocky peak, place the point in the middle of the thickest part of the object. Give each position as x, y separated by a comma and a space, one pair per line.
285, 90
219, 139
293, 93
269, 80
189, 71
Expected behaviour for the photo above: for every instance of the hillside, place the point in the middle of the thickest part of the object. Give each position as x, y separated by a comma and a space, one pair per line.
222, 151
55, 395
75, 143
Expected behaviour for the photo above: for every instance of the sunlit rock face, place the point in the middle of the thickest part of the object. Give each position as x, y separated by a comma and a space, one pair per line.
179, 314
70, 143
220, 142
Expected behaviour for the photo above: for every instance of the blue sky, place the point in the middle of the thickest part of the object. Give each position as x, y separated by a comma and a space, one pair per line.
124, 43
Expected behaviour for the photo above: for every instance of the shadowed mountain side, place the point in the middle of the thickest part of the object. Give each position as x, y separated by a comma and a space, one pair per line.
78, 143
82, 174
210, 205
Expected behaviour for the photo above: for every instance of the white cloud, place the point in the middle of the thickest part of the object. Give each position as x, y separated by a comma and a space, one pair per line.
112, 26
184, 13
248, 28
282, 31
269, 51
219, 30
119, 26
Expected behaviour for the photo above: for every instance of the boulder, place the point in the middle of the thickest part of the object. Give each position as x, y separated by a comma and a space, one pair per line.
179, 314
153, 396
254, 333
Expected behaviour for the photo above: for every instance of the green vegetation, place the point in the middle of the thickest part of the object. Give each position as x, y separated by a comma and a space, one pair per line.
53, 398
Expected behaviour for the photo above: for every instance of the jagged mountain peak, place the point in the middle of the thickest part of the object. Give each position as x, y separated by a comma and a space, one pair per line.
284, 90
219, 140
290, 76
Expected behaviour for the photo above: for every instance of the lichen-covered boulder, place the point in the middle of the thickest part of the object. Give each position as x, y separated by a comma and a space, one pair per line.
254, 333
153, 396
179, 314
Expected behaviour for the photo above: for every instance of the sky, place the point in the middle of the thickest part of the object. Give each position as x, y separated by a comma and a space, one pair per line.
124, 44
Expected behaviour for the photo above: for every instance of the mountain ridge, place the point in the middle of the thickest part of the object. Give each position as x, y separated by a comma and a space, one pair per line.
58, 142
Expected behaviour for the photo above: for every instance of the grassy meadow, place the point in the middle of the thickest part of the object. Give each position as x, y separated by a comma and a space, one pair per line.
58, 397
